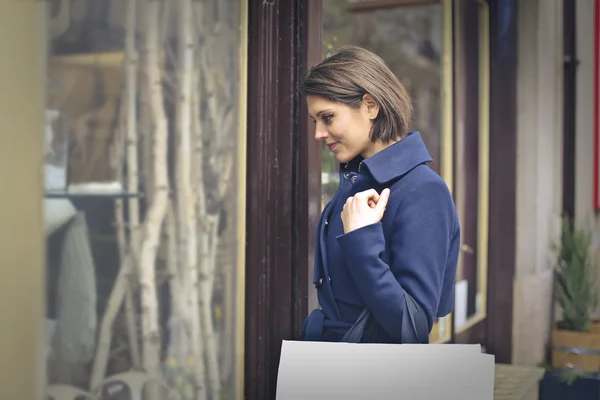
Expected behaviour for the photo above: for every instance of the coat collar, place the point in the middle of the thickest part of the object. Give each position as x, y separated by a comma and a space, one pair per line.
395, 160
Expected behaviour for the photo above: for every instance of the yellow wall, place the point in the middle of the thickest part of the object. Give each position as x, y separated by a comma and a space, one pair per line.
22, 88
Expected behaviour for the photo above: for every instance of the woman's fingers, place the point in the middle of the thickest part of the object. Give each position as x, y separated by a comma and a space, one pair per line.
370, 197
367, 195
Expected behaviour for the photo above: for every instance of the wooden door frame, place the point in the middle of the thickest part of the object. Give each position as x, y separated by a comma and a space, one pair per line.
503, 173
283, 184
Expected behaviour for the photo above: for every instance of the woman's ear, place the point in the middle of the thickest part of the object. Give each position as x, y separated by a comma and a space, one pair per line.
371, 106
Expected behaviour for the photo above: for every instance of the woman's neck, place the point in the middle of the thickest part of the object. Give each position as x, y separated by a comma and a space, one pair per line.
377, 147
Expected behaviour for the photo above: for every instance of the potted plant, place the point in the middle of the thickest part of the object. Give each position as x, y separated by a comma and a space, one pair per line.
576, 338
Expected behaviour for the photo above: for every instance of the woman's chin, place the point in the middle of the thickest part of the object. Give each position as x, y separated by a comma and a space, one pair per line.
343, 158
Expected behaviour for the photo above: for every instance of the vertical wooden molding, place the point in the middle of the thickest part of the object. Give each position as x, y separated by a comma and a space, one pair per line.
569, 106
242, 196
278, 189
503, 172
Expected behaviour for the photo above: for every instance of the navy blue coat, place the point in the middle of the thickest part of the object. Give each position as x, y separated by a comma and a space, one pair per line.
413, 249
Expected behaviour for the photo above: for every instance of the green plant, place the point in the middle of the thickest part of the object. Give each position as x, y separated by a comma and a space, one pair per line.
575, 278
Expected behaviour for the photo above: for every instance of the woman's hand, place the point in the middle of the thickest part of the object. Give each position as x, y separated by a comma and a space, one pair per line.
364, 208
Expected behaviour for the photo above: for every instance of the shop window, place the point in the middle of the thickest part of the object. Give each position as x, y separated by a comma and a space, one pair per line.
144, 204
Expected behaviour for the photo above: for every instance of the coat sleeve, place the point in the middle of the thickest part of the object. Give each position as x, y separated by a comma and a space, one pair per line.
420, 235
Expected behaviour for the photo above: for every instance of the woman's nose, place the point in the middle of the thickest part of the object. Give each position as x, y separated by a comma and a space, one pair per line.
320, 133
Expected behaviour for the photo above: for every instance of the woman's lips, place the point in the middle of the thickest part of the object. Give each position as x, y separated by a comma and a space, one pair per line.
332, 145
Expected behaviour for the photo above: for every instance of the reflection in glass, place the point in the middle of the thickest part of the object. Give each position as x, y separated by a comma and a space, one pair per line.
409, 39
142, 261
469, 156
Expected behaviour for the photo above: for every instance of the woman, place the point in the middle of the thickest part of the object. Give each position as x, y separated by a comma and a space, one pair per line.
387, 243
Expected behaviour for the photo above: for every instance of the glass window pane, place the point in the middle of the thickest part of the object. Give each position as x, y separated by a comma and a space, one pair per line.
470, 159
409, 39
143, 198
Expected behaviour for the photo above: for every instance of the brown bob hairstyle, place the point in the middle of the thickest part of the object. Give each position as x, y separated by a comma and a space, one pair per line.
350, 73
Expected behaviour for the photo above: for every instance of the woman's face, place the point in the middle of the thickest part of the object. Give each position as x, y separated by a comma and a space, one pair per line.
345, 130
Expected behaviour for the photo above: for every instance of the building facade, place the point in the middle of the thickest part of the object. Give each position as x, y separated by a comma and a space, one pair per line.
503, 94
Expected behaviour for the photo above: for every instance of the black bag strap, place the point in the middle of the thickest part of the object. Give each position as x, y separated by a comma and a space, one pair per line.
355, 333
414, 324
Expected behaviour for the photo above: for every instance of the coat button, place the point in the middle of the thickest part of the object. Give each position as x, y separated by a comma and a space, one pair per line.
321, 282
353, 178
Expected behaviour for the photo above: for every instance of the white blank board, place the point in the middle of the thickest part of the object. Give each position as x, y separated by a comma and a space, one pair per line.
329, 371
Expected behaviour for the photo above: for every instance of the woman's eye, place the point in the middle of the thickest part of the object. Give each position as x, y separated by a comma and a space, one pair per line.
327, 118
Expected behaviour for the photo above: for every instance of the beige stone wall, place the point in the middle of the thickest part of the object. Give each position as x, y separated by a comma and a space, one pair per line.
22, 87
539, 166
